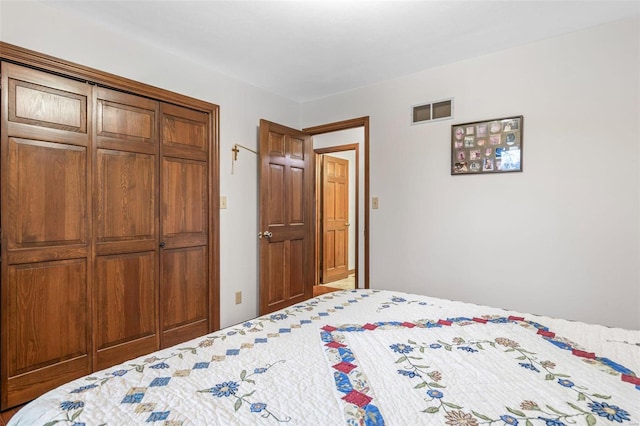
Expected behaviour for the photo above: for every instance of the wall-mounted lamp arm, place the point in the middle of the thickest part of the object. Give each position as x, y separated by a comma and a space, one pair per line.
234, 153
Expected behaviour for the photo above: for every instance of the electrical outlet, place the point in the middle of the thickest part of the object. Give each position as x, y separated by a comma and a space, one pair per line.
238, 297
375, 204
223, 201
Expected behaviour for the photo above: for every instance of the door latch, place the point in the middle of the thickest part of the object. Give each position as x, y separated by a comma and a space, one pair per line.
266, 234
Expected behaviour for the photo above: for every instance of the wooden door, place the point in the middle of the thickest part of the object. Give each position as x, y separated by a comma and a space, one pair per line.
46, 246
184, 218
126, 227
286, 216
335, 218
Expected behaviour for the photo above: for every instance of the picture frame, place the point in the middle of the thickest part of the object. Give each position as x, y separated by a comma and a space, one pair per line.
488, 146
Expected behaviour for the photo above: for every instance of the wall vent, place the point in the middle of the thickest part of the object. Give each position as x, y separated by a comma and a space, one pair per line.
440, 110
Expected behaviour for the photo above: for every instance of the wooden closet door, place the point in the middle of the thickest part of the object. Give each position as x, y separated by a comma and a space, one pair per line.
126, 227
45, 158
184, 198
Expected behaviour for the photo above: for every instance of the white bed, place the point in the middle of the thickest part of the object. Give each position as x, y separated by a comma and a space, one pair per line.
368, 357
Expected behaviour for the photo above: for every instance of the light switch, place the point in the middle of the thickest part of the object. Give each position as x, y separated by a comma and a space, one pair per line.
374, 203
223, 201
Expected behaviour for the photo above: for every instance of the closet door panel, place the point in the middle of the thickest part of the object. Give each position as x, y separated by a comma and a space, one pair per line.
184, 224
125, 292
125, 122
184, 133
45, 297
184, 193
126, 227
184, 294
126, 198
122, 121
45, 294
46, 205
48, 194
45, 106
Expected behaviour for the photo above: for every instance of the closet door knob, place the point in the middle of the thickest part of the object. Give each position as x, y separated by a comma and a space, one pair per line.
162, 244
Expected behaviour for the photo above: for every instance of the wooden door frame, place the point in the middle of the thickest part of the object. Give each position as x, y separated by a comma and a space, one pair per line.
346, 125
319, 201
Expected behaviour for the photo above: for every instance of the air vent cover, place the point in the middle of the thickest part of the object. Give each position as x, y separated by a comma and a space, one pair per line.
440, 110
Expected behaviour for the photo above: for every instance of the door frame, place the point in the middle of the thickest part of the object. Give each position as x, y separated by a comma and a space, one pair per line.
345, 125
319, 200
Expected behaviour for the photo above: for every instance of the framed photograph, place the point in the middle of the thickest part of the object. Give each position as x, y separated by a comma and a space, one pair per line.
490, 146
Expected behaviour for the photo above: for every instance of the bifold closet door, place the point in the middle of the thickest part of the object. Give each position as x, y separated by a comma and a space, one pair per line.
45, 152
126, 227
184, 195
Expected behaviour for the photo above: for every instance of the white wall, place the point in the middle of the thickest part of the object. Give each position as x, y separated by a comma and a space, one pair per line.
562, 237
48, 30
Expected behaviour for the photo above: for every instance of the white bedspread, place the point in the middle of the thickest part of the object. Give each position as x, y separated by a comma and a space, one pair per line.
368, 357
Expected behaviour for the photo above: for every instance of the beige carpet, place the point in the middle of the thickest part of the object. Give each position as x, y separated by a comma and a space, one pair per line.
348, 283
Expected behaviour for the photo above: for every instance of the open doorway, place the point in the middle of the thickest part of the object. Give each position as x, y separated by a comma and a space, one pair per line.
337, 206
348, 144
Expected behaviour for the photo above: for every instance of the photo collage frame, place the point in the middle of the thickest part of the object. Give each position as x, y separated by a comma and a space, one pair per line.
490, 146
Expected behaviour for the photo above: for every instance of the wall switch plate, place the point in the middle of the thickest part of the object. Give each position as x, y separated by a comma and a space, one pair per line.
375, 203
223, 201
238, 297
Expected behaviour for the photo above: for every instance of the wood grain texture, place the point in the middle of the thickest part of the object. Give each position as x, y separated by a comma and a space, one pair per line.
46, 268
126, 196
48, 107
184, 193
123, 121
335, 216
126, 300
296, 196
276, 291
126, 227
185, 291
47, 326
47, 192
286, 211
59, 125
184, 133
277, 188
45, 295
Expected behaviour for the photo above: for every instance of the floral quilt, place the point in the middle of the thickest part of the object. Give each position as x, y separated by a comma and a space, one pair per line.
368, 357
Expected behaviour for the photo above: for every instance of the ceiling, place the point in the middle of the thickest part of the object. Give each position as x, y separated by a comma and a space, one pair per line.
304, 50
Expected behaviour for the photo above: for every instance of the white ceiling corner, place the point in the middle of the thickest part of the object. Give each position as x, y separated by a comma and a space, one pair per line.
304, 50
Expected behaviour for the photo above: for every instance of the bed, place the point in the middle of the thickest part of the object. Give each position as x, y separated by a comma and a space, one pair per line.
368, 357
